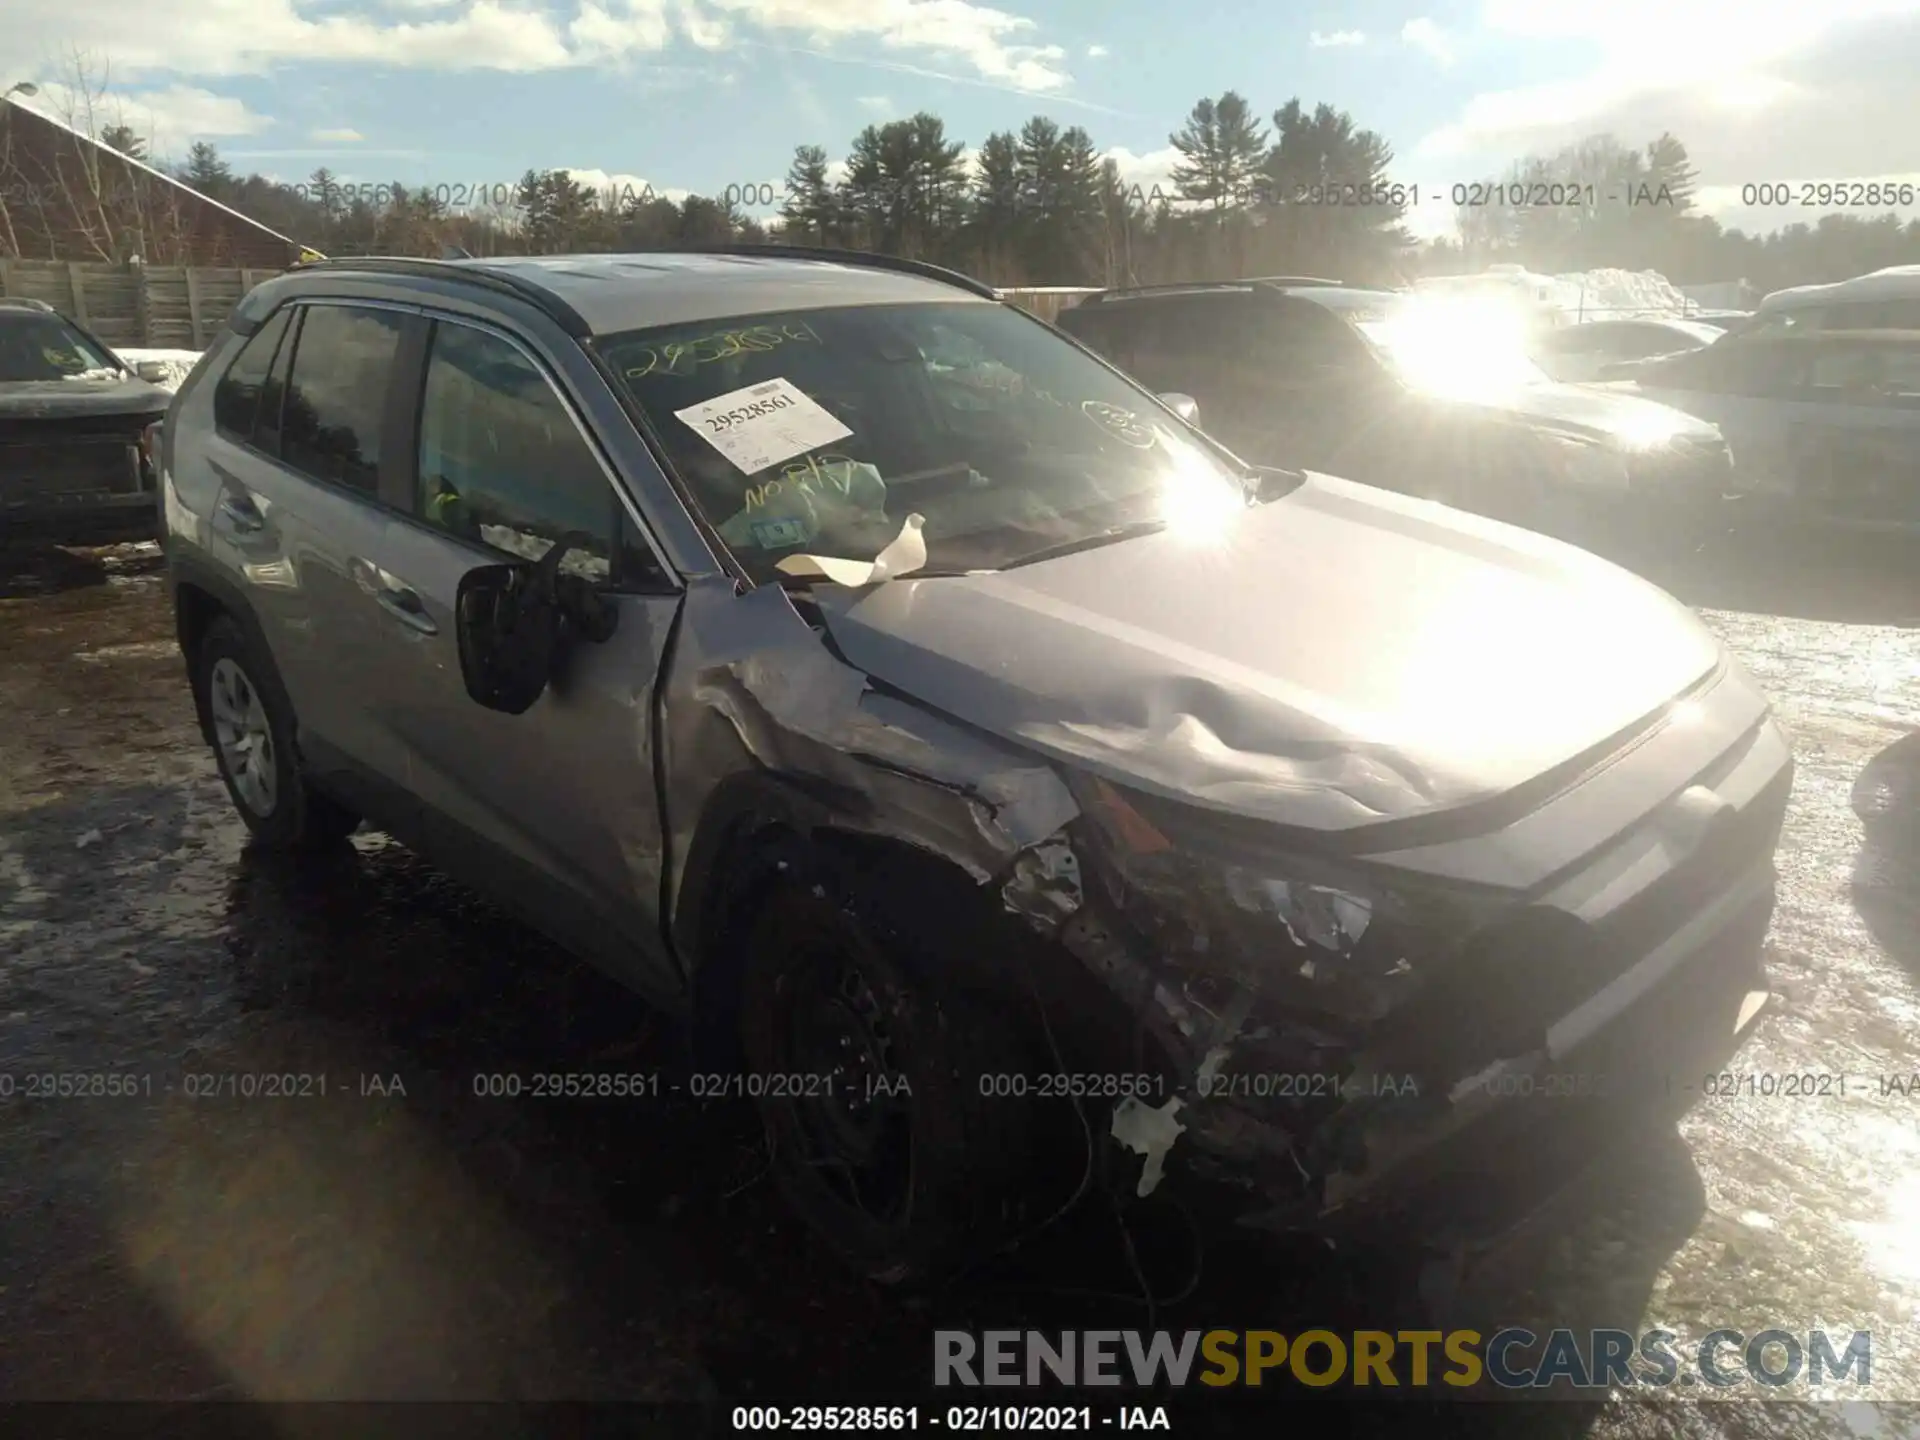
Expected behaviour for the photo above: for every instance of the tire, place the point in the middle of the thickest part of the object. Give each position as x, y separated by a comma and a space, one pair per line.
251, 727
926, 1181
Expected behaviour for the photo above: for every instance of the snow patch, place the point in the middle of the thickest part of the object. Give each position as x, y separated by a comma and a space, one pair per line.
1608, 294
165, 368
1149, 1132
1580, 295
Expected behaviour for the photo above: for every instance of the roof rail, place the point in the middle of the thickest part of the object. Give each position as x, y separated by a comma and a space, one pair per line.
1128, 292
483, 273
1302, 280
24, 302
868, 259
467, 273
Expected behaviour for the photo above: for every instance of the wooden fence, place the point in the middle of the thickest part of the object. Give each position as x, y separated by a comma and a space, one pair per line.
136, 306
1046, 301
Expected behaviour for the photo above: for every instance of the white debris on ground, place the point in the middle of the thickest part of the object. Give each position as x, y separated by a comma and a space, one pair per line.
165, 368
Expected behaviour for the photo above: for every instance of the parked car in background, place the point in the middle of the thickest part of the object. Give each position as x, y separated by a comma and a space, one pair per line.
869, 676
1724, 321
1576, 353
1400, 391
75, 466
1886, 299
1824, 424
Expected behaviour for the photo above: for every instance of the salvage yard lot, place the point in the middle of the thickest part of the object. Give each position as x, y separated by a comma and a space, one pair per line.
407, 1236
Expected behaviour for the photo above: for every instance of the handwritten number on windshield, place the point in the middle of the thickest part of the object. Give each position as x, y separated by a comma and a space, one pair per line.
681, 358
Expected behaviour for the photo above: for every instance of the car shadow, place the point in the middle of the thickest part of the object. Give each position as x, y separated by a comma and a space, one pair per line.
28, 569
1886, 872
658, 1215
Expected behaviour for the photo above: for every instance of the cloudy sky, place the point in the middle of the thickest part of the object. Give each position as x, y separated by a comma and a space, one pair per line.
706, 94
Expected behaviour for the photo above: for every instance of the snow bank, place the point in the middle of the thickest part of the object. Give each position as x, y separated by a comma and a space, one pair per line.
1604, 294
165, 368
1617, 294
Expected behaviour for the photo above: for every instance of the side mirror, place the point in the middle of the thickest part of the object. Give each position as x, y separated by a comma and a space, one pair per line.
1185, 406
515, 622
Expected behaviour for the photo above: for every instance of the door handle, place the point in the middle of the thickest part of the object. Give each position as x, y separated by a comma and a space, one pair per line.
405, 606
241, 513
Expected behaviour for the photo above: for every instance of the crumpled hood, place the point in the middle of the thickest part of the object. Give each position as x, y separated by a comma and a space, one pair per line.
60, 399
1605, 412
1341, 656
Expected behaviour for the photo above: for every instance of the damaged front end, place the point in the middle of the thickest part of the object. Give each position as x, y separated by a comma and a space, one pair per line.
1280, 989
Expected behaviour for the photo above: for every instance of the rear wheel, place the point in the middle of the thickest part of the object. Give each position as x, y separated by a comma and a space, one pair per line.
251, 727
870, 1075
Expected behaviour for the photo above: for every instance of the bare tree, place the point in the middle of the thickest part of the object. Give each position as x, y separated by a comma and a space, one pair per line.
89, 191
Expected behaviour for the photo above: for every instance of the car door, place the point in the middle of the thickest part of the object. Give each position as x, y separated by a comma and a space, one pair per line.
555, 811
298, 455
1856, 455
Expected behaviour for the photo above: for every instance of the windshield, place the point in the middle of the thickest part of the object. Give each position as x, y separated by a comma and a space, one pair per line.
38, 346
820, 431
1470, 348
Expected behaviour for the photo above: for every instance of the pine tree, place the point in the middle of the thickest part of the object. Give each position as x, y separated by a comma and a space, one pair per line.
1668, 165
810, 212
1221, 147
206, 172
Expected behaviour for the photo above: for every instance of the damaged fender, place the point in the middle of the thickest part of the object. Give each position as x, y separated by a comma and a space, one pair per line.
753, 689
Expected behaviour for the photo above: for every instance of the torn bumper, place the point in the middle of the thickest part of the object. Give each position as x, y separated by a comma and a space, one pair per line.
1508, 1139
1556, 1026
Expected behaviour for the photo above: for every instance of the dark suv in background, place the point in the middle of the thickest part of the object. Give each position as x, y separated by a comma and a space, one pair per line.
1309, 373
75, 441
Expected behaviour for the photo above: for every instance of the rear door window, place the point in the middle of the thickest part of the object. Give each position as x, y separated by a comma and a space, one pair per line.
1874, 315
1862, 373
1843, 373
343, 371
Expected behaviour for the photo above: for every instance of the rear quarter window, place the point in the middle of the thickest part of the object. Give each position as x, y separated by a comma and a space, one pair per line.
236, 399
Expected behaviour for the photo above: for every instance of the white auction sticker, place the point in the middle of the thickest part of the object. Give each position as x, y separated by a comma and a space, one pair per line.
763, 424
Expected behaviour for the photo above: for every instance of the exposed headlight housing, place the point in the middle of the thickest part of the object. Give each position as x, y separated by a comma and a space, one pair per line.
1242, 925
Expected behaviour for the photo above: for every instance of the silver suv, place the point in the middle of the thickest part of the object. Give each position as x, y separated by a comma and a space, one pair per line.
1006, 783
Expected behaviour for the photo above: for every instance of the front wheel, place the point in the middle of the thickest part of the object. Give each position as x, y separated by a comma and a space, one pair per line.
880, 1136
251, 726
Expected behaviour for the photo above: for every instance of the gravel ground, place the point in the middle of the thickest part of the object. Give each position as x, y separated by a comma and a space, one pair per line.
403, 1238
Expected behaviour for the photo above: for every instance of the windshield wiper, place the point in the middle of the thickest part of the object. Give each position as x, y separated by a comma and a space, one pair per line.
925, 572
1089, 542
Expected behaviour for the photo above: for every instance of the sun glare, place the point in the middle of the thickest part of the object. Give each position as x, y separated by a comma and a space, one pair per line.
1467, 347
1196, 499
